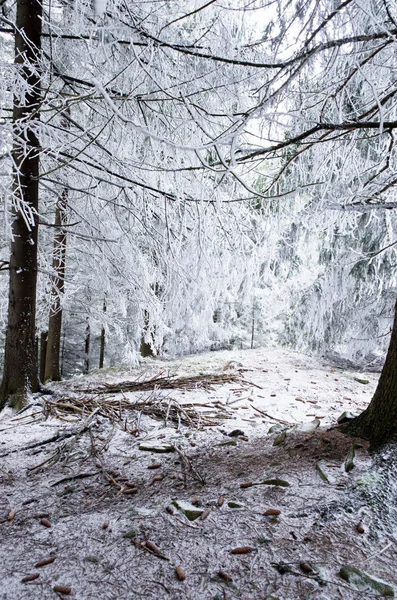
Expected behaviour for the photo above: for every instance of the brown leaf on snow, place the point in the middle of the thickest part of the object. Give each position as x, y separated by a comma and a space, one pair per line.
157, 478
305, 567
62, 589
151, 547
205, 514
221, 500
31, 577
127, 491
11, 514
225, 576
180, 573
45, 561
272, 512
242, 550
45, 522
246, 485
105, 524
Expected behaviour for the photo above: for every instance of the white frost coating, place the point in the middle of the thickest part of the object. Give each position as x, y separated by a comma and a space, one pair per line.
144, 131
100, 7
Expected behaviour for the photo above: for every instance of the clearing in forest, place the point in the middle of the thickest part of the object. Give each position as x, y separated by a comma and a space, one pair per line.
217, 476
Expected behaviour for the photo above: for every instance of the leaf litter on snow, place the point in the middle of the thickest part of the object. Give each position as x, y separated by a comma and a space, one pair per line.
166, 482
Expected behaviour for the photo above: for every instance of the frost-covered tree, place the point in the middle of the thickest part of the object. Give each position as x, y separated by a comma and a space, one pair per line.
125, 109
336, 149
184, 105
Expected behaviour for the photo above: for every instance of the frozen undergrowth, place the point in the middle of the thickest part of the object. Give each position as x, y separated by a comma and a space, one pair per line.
318, 519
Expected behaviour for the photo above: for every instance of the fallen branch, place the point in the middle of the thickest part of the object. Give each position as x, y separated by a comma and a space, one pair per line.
270, 417
55, 438
73, 477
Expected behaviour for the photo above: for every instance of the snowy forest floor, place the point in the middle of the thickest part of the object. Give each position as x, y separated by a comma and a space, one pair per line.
108, 510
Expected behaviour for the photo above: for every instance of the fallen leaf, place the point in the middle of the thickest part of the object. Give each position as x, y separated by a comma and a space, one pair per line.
180, 573
152, 546
45, 522
305, 567
62, 589
31, 577
272, 512
129, 491
242, 550
11, 514
45, 561
157, 478
224, 576
205, 514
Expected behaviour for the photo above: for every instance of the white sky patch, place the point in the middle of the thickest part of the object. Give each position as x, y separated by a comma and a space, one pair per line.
100, 7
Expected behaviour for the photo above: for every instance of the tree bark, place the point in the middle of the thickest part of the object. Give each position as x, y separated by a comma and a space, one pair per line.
43, 352
103, 340
146, 349
87, 344
378, 423
20, 362
52, 364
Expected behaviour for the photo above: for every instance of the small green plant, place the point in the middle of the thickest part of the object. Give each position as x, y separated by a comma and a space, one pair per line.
264, 540
130, 534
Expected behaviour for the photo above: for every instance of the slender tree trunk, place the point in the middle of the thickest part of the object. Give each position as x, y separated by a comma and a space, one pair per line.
20, 362
63, 354
103, 339
43, 352
253, 327
87, 344
52, 363
378, 423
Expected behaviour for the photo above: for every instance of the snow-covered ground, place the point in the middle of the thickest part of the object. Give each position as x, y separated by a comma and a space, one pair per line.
326, 516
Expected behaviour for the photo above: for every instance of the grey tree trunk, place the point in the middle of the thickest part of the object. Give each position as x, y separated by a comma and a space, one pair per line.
20, 373
378, 423
52, 363
43, 352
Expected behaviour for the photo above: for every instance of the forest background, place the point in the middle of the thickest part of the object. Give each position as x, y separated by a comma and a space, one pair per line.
187, 176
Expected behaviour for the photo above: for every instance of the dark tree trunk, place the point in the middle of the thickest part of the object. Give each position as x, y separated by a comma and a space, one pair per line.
63, 353
20, 362
87, 344
52, 364
378, 423
146, 349
43, 352
103, 339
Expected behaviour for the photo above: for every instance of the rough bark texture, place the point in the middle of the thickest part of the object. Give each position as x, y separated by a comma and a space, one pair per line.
103, 341
20, 362
378, 423
52, 364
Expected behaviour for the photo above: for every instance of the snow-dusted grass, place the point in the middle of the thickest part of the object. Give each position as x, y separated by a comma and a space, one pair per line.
317, 522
